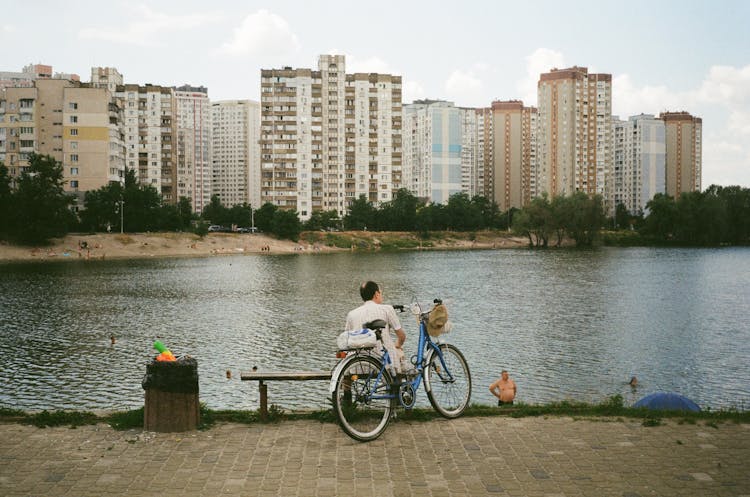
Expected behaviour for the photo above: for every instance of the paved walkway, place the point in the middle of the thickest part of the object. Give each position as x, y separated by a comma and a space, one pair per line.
469, 456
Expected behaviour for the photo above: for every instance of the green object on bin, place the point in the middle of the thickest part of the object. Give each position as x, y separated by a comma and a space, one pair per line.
160, 347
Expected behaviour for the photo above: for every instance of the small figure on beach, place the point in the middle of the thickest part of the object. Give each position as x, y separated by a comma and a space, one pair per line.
504, 389
112, 339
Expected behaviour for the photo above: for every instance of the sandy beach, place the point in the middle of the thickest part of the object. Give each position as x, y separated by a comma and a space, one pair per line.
146, 245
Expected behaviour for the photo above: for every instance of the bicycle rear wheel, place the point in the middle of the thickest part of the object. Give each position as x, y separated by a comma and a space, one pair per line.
362, 399
448, 381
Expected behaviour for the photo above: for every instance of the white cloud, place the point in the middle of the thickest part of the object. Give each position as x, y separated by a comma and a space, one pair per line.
464, 87
148, 26
411, 91
7, 29
263, 33
541, 60
371, 64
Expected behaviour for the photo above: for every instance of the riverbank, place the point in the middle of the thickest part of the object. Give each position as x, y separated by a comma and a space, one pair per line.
146, 245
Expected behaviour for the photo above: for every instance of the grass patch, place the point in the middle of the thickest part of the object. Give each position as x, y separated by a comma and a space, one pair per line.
73, 419
611, 407
126, 420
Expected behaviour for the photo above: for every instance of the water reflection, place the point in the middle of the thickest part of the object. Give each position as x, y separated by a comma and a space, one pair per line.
566, 324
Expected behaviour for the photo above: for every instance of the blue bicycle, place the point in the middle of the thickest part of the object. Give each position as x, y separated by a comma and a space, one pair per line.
365, 392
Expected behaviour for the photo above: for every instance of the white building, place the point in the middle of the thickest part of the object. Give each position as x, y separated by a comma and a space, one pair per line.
639, 161
328, 137
148, 133
235, 153
432, 150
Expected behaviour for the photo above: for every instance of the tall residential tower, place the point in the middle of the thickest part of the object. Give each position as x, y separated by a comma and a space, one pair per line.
574, 132
328, 137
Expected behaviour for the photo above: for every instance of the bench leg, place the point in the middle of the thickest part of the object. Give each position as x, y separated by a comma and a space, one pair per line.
263, 389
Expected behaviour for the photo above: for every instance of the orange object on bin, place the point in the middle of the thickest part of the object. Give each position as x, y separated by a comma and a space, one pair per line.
164, 353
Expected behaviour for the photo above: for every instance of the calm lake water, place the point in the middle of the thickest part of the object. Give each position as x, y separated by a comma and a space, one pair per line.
566, 324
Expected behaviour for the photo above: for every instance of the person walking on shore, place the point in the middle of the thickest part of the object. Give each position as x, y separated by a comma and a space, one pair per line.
504, 389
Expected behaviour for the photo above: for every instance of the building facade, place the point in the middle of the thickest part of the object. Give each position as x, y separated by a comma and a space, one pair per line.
514, 155
639, 161
684, 161
574, 132
471, 167
77, 125
328, 137
235, 152
193, 133
432, 144
149, 135
485, 151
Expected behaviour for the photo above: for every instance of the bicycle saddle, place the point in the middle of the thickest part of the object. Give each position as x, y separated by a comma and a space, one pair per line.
377, 324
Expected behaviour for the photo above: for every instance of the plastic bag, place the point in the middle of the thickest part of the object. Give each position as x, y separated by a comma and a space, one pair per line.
357, 339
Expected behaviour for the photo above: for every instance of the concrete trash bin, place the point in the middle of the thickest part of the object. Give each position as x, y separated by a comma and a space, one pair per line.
171, 401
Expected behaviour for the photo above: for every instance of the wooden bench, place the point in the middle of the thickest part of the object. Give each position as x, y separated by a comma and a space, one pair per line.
262, 377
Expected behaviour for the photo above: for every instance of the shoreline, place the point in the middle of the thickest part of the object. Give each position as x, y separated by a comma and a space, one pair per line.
102, 246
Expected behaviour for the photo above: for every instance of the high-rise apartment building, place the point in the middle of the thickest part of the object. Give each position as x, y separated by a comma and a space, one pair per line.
149, 133
193, 131
328, 137
639, 158
432, 150
78, 125
514, 155
484, 151
235, 152
574, 132
471, 179
684, 152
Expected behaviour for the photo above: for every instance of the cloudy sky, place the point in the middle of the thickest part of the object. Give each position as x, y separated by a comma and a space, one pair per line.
687, 55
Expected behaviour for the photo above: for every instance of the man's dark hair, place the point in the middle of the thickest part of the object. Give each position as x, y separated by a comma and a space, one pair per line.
367, 290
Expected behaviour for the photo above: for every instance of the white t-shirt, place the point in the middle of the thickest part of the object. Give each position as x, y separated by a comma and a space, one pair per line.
370, 311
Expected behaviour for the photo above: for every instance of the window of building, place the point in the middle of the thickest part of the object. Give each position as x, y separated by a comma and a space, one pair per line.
73, 157
74, 171
73, 105
74, 145
74, 132
74, 183
73, 119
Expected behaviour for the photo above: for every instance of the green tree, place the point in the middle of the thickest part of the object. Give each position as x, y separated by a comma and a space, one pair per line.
102, 207
323, 220
661, 218
536, 221
215, 212
42, 208
142, 205
400, 214
264, 216
286, 224
361, 215
587, 217
185, 210
463, 215
737, 202
5, 202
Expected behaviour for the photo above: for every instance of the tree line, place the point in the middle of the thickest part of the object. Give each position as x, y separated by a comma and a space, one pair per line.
39, 209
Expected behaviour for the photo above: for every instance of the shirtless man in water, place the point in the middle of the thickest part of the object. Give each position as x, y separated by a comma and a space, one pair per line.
504, 389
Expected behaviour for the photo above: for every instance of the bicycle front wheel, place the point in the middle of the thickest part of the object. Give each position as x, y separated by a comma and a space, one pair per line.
362, 399
448, 381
